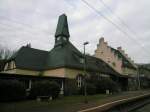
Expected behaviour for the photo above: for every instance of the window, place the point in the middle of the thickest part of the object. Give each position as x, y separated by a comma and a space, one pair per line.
79, 81
82, 60
114, 64
108, 60
64, 38
58, 38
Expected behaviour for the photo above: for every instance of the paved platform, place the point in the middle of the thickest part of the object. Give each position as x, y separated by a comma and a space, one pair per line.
118, 100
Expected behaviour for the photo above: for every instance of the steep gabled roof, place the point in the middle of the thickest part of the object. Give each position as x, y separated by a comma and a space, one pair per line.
66, 55
29, 58
70, 57
61, 56
96, 64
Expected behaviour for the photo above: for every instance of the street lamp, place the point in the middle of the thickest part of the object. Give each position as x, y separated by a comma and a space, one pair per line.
138, 76
85, 92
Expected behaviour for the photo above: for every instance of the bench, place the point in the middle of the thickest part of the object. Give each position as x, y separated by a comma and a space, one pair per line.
44, 98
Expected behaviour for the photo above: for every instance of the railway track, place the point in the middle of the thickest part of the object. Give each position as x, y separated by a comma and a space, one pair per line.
122, 105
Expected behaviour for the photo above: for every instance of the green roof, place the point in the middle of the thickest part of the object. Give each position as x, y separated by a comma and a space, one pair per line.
62, 55
125, 61
70, 57
30, 58
62, 27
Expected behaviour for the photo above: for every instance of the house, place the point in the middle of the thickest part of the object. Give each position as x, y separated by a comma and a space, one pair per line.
118, 60
63, 62
144, 75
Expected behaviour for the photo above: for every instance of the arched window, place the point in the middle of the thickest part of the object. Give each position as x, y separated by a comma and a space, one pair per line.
79, 80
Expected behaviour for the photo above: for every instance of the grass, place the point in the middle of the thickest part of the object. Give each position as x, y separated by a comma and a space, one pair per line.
64, 104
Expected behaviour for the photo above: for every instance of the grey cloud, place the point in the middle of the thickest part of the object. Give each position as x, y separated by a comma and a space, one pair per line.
33, 21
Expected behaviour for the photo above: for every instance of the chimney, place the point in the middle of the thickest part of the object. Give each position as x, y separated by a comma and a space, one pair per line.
119, 48
101, 39
28, 45
126, 55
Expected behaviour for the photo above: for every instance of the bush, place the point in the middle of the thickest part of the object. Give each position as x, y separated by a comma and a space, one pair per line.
11, 90
71, 87
90, 89
45, 88
106, 84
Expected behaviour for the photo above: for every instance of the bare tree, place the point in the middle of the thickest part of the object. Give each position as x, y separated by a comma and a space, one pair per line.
5, 53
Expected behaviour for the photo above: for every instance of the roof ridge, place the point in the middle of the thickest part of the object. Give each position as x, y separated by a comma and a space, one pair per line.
33, 48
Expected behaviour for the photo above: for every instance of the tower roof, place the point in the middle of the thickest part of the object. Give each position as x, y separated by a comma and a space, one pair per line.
62, 27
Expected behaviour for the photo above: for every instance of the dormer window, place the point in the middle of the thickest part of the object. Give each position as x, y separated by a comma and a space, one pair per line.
64, 38
58, 38
62, 32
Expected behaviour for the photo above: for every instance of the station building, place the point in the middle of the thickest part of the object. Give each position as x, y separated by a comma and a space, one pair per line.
63, 62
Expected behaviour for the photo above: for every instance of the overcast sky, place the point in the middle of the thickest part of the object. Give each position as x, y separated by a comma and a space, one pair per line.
34, 21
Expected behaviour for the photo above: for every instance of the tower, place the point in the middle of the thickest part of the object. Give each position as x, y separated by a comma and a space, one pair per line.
62, 32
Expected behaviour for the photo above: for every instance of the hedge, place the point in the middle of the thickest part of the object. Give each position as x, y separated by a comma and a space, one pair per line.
11, 90
44, 88
106, 84
71, 87
90, 89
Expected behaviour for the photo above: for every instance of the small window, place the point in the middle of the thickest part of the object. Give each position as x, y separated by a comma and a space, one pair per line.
58, 38
81, 60
64, 38
114, 64
108, 60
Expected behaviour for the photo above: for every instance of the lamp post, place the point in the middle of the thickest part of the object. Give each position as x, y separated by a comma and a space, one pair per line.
138, 76
85, 92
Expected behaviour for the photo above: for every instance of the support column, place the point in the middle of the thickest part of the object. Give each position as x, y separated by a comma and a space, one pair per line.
30, 84
62, 88
29, 87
